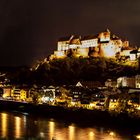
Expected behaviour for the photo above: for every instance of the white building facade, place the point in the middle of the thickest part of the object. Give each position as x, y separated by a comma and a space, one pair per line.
131, 82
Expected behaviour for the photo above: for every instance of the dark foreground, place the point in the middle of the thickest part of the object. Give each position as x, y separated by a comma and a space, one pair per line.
81, 116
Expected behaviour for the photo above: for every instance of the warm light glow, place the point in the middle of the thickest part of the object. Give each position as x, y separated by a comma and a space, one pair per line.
42, 135
23, 94
137, 85
4, 124
45, 99
93, 104
36, 67
71, 132
91, 136
4, 95
6, 92
83, 52
59, 54
112, 134
138, 108
113, 105
51, 129
138, 137
125, 52
72, 103
17, 127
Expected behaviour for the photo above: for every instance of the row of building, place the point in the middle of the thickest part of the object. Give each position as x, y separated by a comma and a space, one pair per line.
24, 93
88, 94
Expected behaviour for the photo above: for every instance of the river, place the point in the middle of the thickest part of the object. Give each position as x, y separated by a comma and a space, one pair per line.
15, 125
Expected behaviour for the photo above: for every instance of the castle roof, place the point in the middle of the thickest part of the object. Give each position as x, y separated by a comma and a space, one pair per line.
127, 48
90, 84
75, 41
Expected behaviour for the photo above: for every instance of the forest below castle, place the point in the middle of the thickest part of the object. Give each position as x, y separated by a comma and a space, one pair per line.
70, 70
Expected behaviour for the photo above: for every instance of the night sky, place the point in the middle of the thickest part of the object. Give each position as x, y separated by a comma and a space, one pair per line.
29, 29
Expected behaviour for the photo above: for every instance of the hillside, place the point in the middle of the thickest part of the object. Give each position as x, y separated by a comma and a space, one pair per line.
70, 70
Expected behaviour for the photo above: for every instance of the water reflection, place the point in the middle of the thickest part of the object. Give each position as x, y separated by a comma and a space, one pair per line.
51, 130
4, 127
71, 132
18, 126
91, 135
17, 121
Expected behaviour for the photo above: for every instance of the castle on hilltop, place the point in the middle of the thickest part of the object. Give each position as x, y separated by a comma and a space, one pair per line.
104, 44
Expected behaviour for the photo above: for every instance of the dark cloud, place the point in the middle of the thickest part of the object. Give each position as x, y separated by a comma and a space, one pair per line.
29, 29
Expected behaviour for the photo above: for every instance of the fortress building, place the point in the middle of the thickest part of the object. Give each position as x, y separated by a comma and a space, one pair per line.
104, 44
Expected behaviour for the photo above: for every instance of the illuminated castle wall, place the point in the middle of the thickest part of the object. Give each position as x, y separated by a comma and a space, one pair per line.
103, 45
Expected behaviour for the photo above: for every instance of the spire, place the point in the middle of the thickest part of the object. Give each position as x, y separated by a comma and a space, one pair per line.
108, 30
72, 36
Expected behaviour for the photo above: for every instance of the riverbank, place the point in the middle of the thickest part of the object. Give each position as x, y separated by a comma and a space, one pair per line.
101, 118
